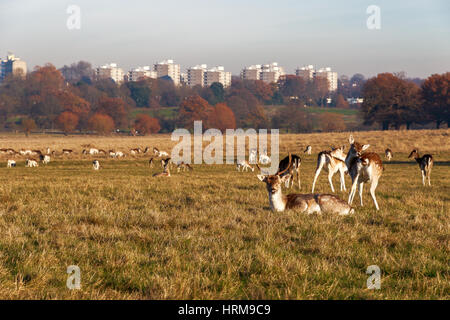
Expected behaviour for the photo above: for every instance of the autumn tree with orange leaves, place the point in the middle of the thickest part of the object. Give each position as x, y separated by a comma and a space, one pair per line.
145, 124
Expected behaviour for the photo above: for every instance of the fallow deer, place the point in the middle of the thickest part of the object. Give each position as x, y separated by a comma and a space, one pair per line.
363, 167
11, 164
290, 167
244, 165
159, 153
166, 162
135, 151
425, 163
165, 173
67, 151
183, 166
30, 163
388, 154
264, 158
333, 161
45, 159
308, 150
95, 164
304, 203
150, 162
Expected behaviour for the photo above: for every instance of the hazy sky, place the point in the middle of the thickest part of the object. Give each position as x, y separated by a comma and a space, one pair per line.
414, 35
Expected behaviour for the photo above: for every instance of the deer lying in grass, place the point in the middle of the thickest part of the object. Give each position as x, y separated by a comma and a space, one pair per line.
388, 154
290, 166
363, 167
183, 166
333, 161
308, 150
425, 163
304, 203
244, 165
30, 163
165, 173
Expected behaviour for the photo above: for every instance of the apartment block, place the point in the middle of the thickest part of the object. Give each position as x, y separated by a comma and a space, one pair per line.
12, 65
309, 73
217, 74
142, 72
168, 68
110, 71
268, 72
331, 76
195, 75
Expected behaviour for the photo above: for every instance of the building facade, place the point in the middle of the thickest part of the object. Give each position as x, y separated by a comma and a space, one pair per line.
268, 73
141, 73
195, 75
309, 73
12, 65
217, 74
110, 71
168, 68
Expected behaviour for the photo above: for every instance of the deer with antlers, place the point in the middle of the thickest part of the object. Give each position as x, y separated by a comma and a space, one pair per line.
425, 164
333, 161
363, 167
304, 203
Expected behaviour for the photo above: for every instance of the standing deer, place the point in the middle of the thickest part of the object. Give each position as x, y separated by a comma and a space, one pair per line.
290, 166
388, 154
425, 163
305, 203
333, 161
363, 167
95, 164
308, 150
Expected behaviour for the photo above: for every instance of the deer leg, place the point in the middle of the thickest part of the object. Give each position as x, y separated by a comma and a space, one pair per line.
341, 172
423, 177
298, 178
429, 177
361, 185
318, 169
373, 187
353, 190
330, 179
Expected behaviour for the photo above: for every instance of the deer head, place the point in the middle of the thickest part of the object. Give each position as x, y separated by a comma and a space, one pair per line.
356, 149
414, 154
275, 181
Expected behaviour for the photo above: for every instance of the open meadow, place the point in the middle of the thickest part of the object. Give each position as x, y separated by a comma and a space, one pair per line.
210, 234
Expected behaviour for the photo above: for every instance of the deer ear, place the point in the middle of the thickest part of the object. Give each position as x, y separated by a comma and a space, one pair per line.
350, 139
261, 177
365, 147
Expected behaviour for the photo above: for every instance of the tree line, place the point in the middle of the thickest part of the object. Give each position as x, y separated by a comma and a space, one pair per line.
72, 99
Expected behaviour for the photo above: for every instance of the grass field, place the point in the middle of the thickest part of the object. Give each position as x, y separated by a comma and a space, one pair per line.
209, 233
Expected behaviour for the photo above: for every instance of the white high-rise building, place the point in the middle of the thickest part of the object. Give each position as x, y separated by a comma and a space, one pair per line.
306, 72
217, 74
331, 76
110, 71
168, 68
271, 72
309, 73
251, 73
195, 75
268, 72
142, 72
12, 65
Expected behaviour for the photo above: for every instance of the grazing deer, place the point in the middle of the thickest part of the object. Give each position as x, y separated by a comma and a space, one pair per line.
166, 162
135, 151
160, 153
30, 163
363, 167
95, 164
67, 151
425, 163
101, 151
120, 154
308, 150
333, 161
305, 203
147, 149
244, 165
183, 166
11, 164
388, 154
290, 168
45, 159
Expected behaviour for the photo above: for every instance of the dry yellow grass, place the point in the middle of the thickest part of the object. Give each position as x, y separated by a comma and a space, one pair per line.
209, 233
